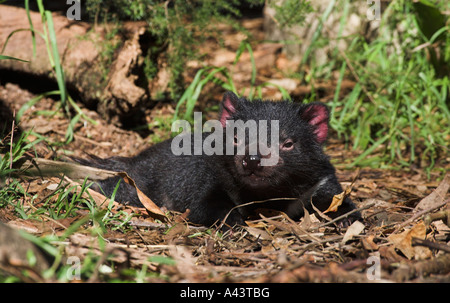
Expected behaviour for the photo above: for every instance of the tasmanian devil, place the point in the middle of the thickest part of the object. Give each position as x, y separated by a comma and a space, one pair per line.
274, 152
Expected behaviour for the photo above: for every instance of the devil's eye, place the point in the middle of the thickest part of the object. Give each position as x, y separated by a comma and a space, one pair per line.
288, 145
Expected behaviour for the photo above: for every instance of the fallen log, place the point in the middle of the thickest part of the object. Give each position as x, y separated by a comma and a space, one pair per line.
109, 84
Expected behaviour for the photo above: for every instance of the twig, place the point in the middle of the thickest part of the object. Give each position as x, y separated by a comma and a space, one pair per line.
407, 271
419, 214
429, 244
246, 204
345, 215
443, 215
297, 228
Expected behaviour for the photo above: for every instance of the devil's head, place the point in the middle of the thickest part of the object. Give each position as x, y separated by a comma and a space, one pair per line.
273, 141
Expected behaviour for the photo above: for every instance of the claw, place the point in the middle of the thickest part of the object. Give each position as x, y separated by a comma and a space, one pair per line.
347, 221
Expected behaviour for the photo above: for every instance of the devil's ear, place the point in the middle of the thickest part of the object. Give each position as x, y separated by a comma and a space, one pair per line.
317, 115
228, 106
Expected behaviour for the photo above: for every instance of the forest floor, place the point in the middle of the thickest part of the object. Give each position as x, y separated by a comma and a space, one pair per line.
397, 236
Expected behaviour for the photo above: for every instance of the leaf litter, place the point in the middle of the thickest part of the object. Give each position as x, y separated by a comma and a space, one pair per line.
272, 248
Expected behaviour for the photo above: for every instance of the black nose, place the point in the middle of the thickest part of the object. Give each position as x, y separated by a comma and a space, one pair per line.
252, 162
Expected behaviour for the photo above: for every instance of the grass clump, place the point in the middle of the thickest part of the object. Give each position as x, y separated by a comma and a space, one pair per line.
57, 205
398, 110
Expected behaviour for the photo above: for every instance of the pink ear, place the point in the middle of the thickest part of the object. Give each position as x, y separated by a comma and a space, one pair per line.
316, 114
228, 107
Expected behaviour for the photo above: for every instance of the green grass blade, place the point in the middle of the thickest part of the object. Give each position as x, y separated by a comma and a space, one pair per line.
58, 68
79, 111
3, 57
369, 150
349, 104
188, 92
193, 99
32, 102
10, 35
33, 36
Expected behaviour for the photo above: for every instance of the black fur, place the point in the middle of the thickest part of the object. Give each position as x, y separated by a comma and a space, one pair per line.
211, 185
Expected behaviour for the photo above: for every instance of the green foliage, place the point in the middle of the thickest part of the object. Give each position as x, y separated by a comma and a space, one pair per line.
290, 12
3, 57
177, 26
399, 107
64, 201
14, 153
432, 24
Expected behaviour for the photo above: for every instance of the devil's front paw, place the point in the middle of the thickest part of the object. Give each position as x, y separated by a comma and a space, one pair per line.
349, 220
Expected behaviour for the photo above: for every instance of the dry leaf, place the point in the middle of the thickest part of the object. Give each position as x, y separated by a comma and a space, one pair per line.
185, 261
368, 243
146, 201
52, 186
306, 222
281, 243
389, 253
256, 223
258, 233
280, 225
286, 83
14, 250
176, 231
355, 229
338, 199
403, 242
